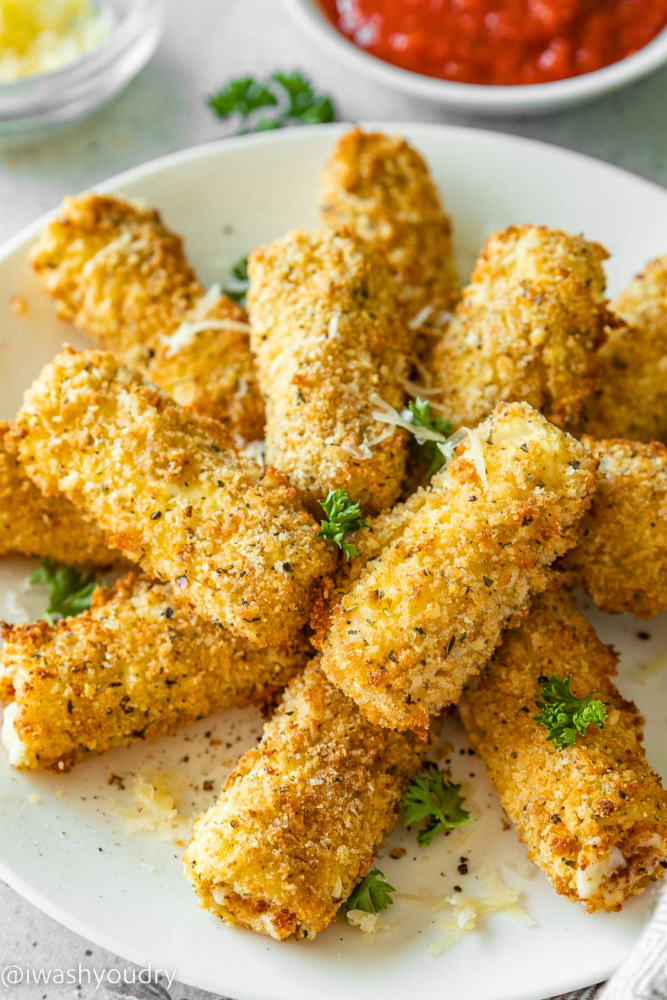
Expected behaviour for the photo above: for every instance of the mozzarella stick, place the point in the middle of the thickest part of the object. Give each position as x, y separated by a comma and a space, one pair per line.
123, 279
593, 815
621, 557
302, 816
42, 527
426, 614
325, 335
632, 398
137, 666
380, 187
173, 494
526, 328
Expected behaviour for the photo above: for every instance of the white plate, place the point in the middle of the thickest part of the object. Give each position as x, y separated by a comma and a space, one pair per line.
70, 852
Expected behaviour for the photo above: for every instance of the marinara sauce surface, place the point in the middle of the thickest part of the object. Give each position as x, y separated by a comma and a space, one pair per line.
499, 41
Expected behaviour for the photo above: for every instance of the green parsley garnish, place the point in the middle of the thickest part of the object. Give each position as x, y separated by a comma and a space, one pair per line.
291, 94
70, 592
372, 894
239, 272
436, 800
343, 516
429, 451
564, 715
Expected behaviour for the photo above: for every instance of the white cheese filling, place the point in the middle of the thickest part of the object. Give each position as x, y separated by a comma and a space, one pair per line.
9, 738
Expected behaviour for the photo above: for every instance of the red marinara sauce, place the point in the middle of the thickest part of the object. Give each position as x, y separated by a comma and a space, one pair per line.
499, 41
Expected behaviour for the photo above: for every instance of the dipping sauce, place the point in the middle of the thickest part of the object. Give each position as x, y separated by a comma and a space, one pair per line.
499, 41
39, 36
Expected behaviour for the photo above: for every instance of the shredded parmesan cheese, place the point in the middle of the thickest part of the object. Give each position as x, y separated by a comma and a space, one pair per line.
368, 923
420, 318
197, 323
155, 809
386, 414
476, 450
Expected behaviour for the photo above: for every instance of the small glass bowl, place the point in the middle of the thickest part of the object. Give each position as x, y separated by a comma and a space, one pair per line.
50, 99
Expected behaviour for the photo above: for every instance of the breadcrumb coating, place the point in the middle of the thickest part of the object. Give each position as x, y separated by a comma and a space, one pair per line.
632, 399
425, 615
380, 187
621, 557
174, 494
526, 328
42, 527
324, 312
123, 279
593, 815
302, 816
137, 666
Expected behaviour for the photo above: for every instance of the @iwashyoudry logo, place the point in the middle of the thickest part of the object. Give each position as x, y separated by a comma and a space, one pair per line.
140, 984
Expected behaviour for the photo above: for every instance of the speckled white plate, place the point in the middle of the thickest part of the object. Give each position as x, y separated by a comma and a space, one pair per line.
63, 842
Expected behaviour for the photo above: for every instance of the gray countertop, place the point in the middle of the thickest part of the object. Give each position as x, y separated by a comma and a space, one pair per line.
206, 42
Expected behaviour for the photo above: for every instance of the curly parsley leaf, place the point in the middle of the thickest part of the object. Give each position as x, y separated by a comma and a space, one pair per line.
372, 894
436, 800
428, 451
70, 592
563, 715
241, 96
239, 289
342, 516
290, 94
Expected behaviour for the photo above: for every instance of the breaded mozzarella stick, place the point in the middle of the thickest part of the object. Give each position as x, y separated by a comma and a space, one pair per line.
302, 816
621, 557
174, 494
526, 328
44, 527
380, 187
123, 279
137, 666
327, 340
427, 613
632, 399
593, 815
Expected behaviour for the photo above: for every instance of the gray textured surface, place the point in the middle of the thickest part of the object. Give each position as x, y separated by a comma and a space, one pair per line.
206, 42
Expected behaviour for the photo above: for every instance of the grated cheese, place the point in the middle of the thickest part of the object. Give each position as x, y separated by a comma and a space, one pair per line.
197, 323
386, 414
368, 923
497, 898
476, 450
420, 318
155, 809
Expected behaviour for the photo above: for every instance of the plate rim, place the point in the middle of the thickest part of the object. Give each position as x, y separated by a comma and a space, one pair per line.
125, 949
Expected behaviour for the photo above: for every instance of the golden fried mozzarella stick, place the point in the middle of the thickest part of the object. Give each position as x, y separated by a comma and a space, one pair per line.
328, 343
632, 398
174, 494
380, 187
426, 614
123, 279
44, 527
137, 666
302, 816
621, 557
593, 815
526, 328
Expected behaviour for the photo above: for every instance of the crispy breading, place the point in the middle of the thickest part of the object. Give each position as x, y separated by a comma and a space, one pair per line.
44, 527
302, 816
526, 328
137, 666
621, 557
123, 279
632, 399
174, 494
324, 312
425, 615
593, 815
380, 186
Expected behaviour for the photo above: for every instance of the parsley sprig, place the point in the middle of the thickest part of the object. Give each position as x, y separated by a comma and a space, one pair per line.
70, 592
239, 273
290, 94
428, 451
372, 894
563, 715
343, 516
436, 800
